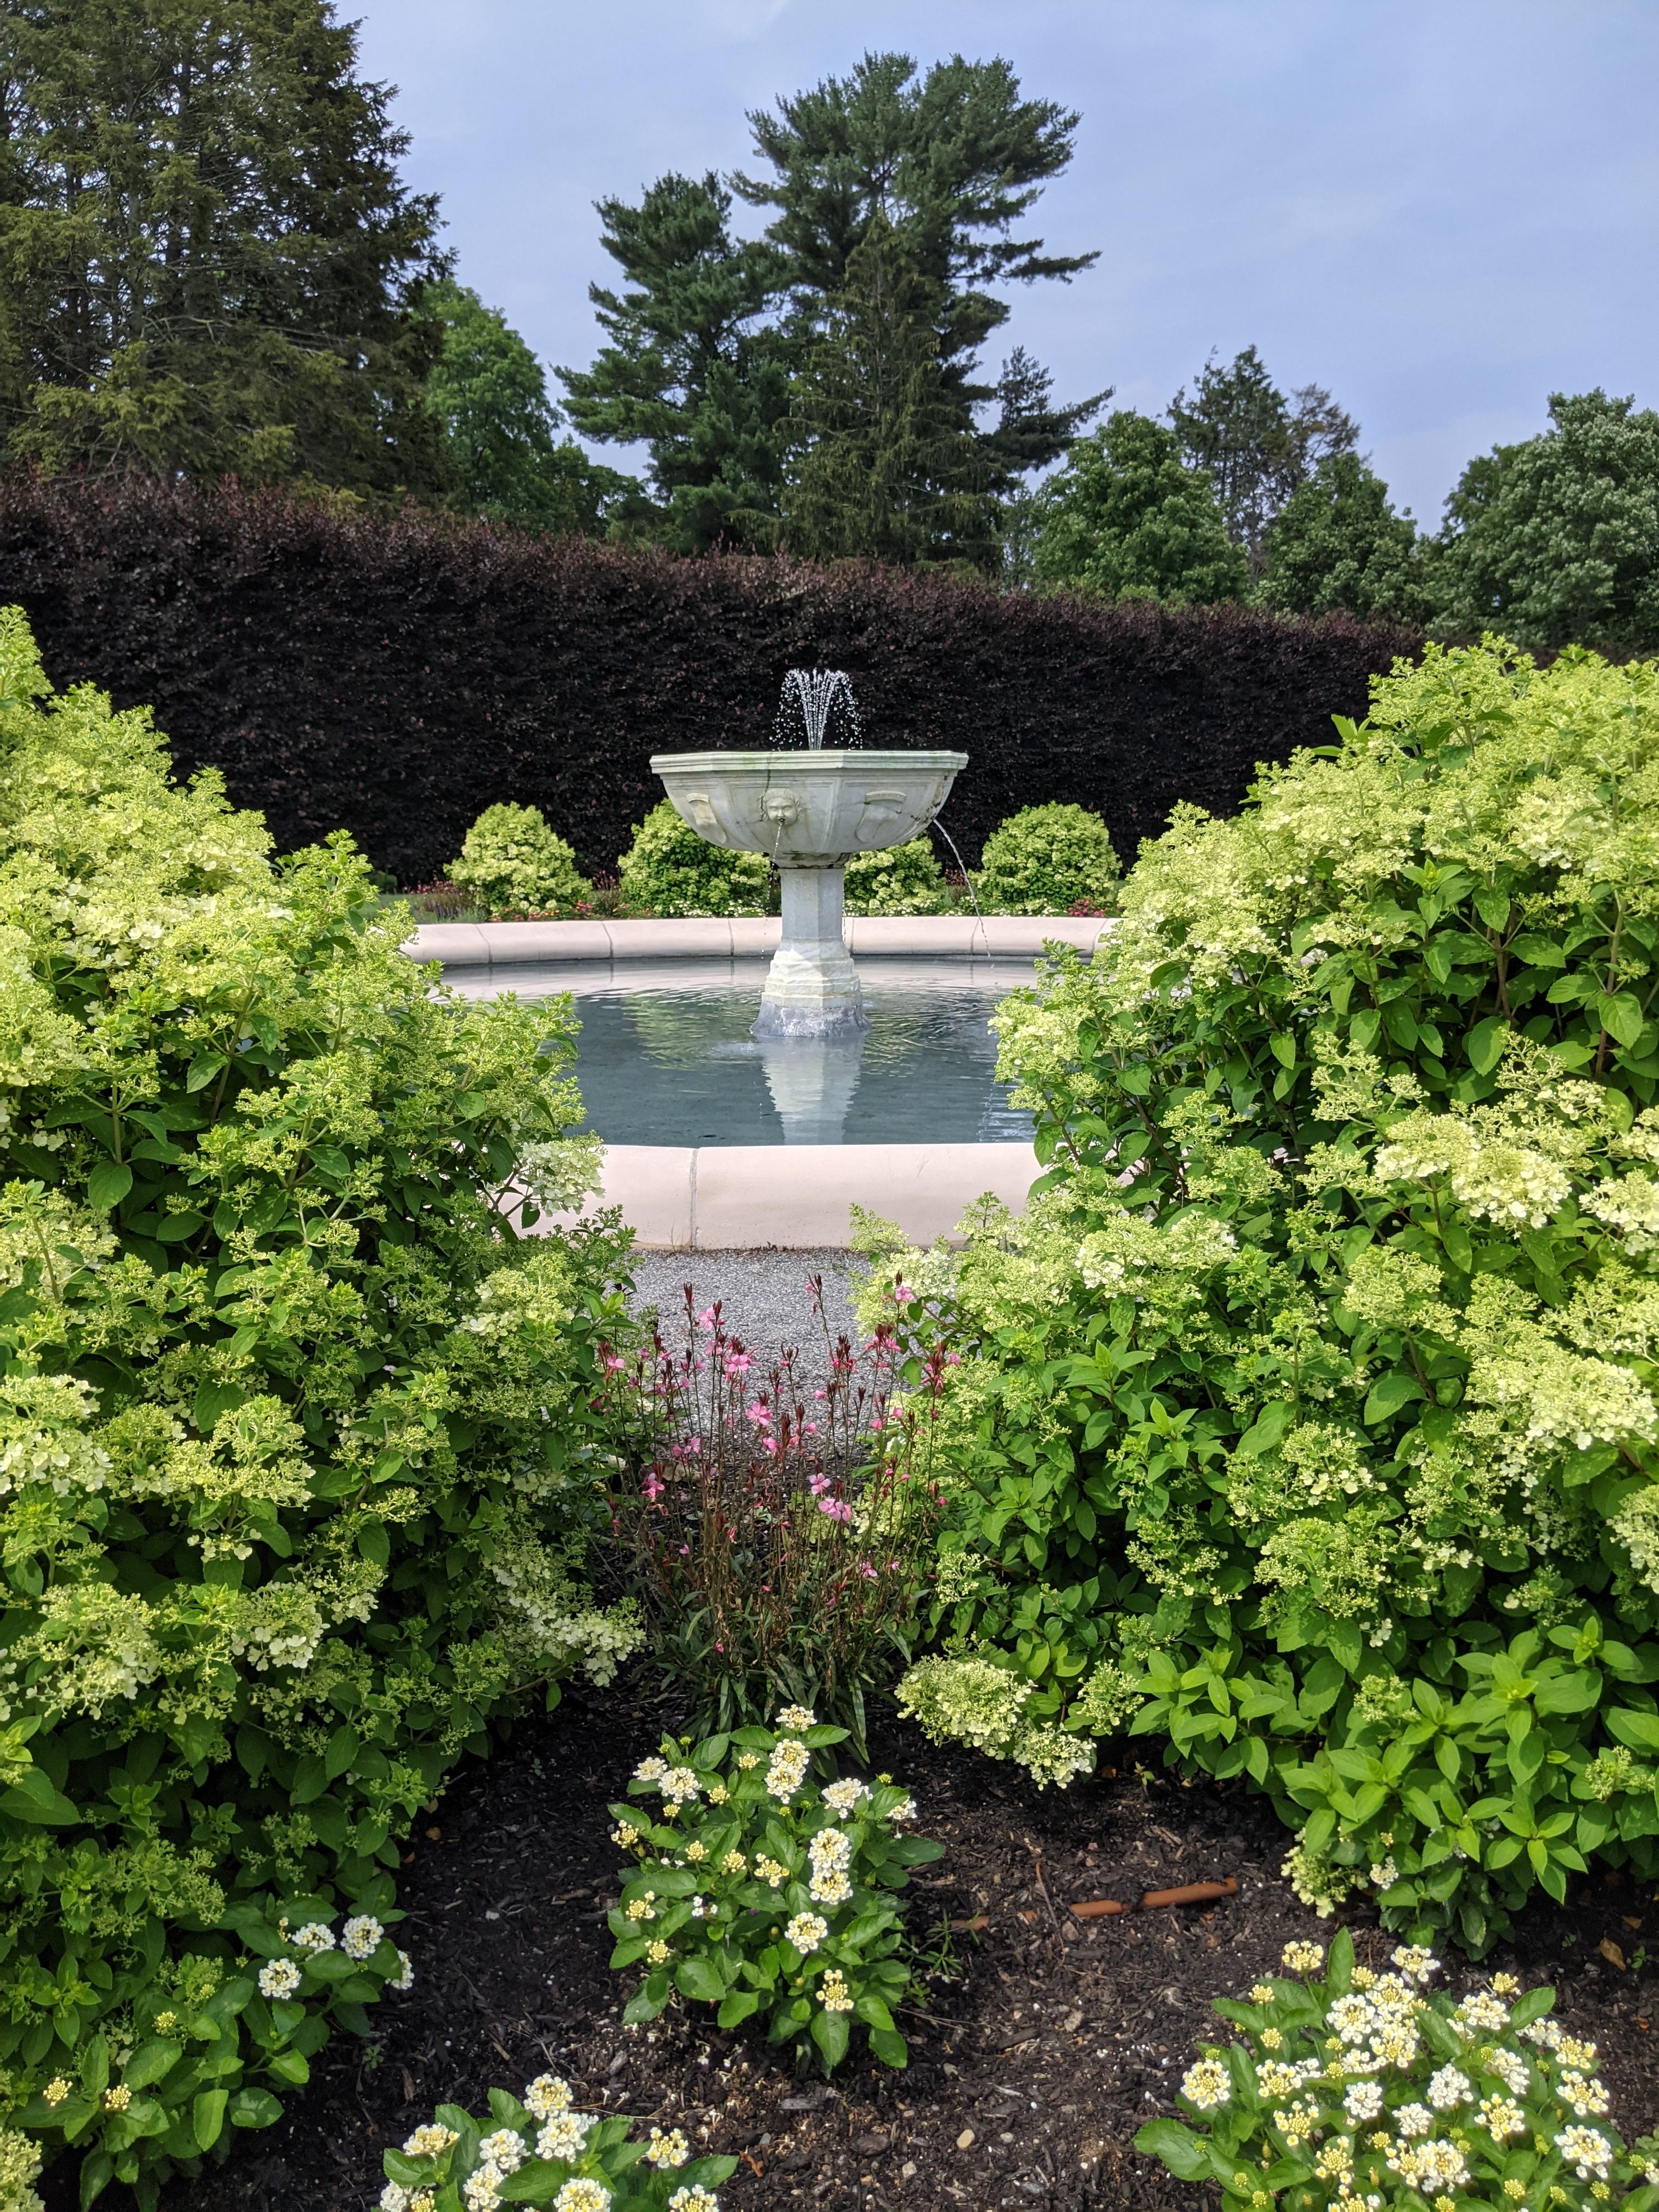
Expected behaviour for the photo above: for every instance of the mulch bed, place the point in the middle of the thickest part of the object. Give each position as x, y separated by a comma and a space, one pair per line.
1044, 2044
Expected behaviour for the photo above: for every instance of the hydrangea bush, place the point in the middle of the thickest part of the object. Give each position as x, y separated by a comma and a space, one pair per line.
762, 1892
669, 870
1306, 1422
1355, 2089
298, 1451
518, 866
1049, 859
542, 2150
903, 879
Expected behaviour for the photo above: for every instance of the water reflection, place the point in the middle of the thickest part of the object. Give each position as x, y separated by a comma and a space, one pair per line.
811, 1080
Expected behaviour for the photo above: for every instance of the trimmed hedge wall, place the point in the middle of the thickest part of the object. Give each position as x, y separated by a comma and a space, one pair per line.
397, 673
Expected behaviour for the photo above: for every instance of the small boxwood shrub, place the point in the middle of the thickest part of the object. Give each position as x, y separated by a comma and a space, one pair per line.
669, 870
904, 879
517, 866
1048, 860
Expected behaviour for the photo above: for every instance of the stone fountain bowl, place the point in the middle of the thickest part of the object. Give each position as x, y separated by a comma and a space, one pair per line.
808, 809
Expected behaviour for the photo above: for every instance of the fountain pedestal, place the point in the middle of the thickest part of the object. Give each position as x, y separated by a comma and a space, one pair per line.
809, 812
812, 986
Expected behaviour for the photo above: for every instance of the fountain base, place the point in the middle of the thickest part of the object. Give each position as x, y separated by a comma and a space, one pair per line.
812, 986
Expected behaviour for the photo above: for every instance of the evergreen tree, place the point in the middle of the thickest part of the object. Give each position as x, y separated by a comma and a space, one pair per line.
1127, 518
1255, 444
1337, 542
210, 260
888, 469
489, 393
692, 370
1555, 541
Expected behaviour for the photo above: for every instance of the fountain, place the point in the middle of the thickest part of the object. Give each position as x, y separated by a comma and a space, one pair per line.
810, 812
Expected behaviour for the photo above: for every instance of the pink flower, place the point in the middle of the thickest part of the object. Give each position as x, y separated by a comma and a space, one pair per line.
819, 1484
760, 1413
837, 1509
867, 1571
651, 1490
708, 1318
738, 1362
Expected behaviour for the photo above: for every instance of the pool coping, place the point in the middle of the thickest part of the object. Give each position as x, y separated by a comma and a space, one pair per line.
548, 944
723, 1198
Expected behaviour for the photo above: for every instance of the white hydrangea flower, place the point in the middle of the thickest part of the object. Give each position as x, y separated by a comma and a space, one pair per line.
314, 1936
1587, 2151
797, 1719
1364, 2101
667, 2151
843, 1798
785, 1770
405, 1976
430, 2140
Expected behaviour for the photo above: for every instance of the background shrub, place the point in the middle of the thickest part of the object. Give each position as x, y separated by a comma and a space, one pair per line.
297, 1432
1306, 1422
904, 879
1046, 859
394, 673
669, 870
517, 865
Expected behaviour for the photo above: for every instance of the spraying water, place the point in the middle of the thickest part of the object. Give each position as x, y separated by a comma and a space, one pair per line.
804, 705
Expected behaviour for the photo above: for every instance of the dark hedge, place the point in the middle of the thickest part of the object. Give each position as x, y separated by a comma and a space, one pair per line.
397, 673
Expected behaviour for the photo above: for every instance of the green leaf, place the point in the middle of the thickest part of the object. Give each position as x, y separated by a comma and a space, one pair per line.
32, 1798
255, 2108
1492, 905
889, 2046
1179, 2149
737, 2008
701, 1978
206, 2116
1638, 1730
1388, 1394
830, 2033
1620, 1015
150, 2061
107, 1185
1484, 1044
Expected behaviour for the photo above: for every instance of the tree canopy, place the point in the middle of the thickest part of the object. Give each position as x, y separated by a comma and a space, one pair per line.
1127, 516
1337, 542
1255, 444
887, 467
1555, 540
728, 357
211, 262
488, 394
692, 369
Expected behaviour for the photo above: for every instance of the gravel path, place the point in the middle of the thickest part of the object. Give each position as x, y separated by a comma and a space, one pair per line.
764, 1295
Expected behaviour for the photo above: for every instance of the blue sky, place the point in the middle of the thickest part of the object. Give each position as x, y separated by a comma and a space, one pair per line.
1442, 210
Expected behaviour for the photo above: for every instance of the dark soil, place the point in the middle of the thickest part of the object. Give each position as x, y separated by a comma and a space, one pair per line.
1043, 2046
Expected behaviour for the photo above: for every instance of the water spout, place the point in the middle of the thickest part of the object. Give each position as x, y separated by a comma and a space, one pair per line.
805, 702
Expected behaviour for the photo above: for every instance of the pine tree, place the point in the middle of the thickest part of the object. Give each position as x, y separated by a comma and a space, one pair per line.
692, 370
1555, 541
887, 470
490, 395
1337, 542
1256, 445
1127, 518
210, 259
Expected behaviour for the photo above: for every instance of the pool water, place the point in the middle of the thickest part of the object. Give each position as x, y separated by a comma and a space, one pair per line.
666, 1057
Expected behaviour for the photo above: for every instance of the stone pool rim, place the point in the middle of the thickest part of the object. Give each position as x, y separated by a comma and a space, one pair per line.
939, 936
785, 1197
